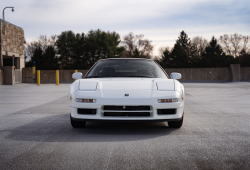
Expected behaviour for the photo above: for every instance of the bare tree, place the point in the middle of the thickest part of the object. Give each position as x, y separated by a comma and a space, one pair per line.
236, 41
199, 44
43, 42
233, 44
246, 44
137, 46
225, 43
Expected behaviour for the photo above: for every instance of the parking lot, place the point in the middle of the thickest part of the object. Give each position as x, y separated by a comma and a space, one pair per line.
35, 132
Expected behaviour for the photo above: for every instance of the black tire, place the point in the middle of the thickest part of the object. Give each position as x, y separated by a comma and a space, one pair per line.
77, 124
176, 124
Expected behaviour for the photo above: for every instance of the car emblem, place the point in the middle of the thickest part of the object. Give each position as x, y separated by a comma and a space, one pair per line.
124, 107
126, 94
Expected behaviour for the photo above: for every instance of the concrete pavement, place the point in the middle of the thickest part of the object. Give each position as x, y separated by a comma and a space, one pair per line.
22, 96
215, 133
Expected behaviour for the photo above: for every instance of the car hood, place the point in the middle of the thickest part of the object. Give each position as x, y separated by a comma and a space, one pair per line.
133, 87
126, 84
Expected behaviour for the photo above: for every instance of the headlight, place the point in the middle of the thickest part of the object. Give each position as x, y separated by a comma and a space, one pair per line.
86, 100
167, 100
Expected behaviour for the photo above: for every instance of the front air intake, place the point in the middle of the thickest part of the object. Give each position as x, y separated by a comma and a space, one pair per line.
166, 111
126, 108
127, 114
86, 111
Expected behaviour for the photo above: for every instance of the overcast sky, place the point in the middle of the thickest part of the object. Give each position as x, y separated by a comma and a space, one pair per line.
159, 20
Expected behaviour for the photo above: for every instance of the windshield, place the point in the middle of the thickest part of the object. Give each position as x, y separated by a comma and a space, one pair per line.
126, 68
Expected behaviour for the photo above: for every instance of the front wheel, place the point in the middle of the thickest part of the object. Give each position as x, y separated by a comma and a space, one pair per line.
77, 124
176, 124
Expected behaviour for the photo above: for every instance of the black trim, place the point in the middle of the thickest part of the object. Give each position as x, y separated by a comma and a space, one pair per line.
84, 111
126, 108
127, 114
166, 111
163, 70
104, 120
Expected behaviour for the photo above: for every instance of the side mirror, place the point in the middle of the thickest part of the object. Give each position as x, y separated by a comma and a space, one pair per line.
77, 75
175, 76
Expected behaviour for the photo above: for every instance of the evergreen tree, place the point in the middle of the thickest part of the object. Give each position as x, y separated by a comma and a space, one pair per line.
188, 47
100, 45
184, 41
49, 59
136, 53
214, 55
244, 59
38, 58
66, 43
179, 57
45, 60
166, 58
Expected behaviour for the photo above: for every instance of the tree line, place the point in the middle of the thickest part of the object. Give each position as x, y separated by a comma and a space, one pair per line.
198, 52
71, 50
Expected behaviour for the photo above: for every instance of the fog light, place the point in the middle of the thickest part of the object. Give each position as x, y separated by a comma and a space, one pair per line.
167, 100
86, 100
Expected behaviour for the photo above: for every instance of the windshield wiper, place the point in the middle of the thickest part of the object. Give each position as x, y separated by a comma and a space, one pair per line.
116, 77
141, 76
94, 77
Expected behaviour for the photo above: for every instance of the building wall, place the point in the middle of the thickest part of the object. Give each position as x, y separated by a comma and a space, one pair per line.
12, 41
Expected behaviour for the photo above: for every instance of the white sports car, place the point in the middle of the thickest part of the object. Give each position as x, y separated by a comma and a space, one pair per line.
126, 89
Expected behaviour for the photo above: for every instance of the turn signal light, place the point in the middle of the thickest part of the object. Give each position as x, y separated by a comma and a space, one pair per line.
86, 100
167, 100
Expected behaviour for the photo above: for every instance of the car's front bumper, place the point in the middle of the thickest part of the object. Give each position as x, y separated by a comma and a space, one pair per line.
151, 100
154, 116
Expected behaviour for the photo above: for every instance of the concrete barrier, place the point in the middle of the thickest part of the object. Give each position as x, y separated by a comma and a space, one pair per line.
203, 74
222, 74
245, 74
1, 76
235, 69
8, 75
27, 74
18, 76
49, 76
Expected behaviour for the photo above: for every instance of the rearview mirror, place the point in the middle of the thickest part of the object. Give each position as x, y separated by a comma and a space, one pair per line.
175, 76
77, 75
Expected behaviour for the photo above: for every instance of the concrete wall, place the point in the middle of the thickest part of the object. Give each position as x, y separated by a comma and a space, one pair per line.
203, 74
27, 75
9, 75
235, 69
18, 76
49, 76
245, 73
1, 76
222, 74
